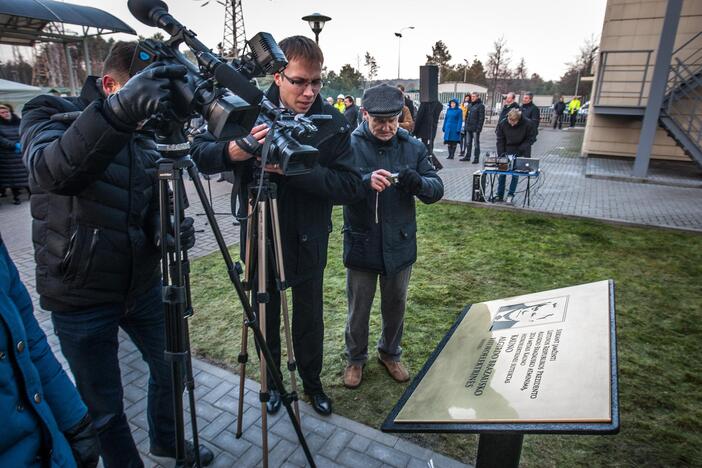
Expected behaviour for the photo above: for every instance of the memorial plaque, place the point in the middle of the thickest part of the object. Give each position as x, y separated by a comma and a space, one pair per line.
543, 358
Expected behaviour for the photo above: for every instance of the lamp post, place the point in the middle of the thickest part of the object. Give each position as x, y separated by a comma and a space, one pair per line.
316, 22
399, 38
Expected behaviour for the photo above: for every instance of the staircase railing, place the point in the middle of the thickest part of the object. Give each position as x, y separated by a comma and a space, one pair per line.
683, 104
687, 62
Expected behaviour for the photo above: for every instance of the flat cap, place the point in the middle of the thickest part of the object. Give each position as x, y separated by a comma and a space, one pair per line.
383, 101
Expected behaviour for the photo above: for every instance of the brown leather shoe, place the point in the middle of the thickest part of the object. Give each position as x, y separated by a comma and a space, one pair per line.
353, 374
396, 369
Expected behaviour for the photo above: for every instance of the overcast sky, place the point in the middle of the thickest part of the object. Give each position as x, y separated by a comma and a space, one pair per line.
547, 33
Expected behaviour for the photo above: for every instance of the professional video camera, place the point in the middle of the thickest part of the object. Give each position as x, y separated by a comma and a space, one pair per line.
222, 92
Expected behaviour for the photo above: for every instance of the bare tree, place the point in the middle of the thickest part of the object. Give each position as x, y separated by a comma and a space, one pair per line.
498, 65
371, 66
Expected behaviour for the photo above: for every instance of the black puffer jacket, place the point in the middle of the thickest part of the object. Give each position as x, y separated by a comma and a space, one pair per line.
12, 170
94, 204
391, 244
531, 112
516, 139
475, 118
304, 201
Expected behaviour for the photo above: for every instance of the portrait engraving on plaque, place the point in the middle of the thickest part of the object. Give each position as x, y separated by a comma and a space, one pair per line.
528, 314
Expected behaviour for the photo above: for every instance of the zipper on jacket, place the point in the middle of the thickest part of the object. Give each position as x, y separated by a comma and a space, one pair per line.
91, 253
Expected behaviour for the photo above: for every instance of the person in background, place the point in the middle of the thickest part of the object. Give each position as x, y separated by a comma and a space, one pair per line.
529, 110
464, 108
352, 113
558, 109
339, 105
515, 135
408, 102
474, 125
13, 174
452, 127
509, 104
406, 121
44, 421
330, 100
573, 108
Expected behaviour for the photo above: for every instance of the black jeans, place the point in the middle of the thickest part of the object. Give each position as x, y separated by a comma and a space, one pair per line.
469, 142
573, 118
89, 341
558, 120
307, 331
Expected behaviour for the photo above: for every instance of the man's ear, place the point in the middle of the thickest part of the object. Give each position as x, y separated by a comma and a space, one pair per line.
109, 85
277, 79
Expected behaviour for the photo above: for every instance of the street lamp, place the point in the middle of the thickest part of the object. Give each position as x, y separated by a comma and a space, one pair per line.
316, 22
399, 38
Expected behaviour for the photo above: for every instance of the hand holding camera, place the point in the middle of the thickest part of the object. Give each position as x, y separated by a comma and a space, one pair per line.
143, 95
410, 181
381, 179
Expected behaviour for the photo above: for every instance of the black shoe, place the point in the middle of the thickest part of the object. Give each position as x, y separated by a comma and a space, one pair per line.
321, 403
450, 157
206, 455
274, 402
16, 201
476, 161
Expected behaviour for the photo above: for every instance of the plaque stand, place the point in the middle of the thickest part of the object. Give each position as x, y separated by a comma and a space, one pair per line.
503, 450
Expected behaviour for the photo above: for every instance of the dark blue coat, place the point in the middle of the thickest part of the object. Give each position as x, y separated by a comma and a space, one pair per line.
37, 400
452, 123
390, 245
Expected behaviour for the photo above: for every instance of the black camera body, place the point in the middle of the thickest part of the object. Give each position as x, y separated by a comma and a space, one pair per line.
222, 93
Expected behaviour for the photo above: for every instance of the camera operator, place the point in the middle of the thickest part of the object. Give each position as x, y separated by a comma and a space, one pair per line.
44, 421
515, 135
305, 206
380, 230
96, 240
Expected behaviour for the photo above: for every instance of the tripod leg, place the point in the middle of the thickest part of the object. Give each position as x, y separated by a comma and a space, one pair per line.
243, 355
262, 299
280, 267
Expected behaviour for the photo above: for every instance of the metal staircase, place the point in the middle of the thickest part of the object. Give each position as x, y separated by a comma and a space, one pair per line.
681, 114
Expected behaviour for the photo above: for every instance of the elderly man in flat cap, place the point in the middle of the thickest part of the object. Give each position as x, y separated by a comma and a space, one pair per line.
380, 230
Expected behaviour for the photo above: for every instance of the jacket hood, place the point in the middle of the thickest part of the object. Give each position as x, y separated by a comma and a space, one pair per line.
453, 100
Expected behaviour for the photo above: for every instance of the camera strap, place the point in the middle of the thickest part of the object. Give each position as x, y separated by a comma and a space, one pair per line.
248, 144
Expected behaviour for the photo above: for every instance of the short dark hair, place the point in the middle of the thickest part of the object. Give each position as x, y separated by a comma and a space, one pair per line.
402, 88
529, 93
119, 59
301, 48
350, 98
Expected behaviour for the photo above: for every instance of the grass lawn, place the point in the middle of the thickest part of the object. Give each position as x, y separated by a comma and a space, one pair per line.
468, 255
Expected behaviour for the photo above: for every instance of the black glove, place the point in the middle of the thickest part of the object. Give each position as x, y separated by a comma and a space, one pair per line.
410, 181
84, 443
143, 95
187, 236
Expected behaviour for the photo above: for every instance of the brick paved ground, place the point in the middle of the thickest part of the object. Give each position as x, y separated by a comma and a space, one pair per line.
337, 441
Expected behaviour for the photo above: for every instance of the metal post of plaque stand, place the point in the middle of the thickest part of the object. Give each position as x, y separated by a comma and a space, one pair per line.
503, 450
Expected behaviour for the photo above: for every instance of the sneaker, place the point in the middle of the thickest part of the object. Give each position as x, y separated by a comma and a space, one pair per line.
510, 199
167, 454
497, 199
353, 374
396, 369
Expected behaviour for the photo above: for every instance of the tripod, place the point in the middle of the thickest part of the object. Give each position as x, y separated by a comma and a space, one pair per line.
176, 288
263, 202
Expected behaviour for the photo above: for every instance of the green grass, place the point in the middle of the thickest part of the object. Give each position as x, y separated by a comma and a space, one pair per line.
468, 255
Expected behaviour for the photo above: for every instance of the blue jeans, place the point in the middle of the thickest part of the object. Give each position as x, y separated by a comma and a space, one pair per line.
89, 340
501, 185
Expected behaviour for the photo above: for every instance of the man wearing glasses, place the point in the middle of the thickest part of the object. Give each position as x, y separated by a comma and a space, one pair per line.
305, 202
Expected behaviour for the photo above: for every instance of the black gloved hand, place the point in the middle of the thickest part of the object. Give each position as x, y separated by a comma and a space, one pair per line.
143, 95
187, 236
410, 181
84, 443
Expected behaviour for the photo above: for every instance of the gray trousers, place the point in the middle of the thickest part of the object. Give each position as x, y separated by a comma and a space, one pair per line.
360, 290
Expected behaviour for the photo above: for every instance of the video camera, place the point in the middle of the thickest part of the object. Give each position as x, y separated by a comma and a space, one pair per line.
222, 92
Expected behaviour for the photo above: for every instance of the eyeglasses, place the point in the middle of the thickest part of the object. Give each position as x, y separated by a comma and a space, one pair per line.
316, 85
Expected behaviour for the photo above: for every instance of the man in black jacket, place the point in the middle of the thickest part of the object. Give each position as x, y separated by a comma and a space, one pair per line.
305, 205
507, 106
515, 135
558, 109
474, 125
380, 230
351, 113
96, 234
529, 110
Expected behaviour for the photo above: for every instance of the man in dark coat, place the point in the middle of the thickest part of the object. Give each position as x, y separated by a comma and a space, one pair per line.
427, 123
96, 235
408, 102
474, 125
305, 205
529, 110
380, 230
13, 174
509, 104
515, 135
558, 109
44, 422
351, 113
